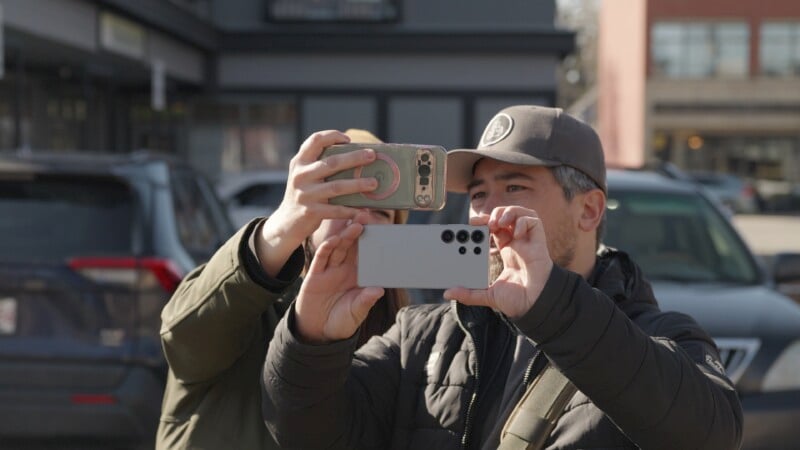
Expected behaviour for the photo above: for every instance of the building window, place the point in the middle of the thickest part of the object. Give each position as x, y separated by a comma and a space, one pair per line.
339, 112
780, 48
700, 49
237, 135
333, 10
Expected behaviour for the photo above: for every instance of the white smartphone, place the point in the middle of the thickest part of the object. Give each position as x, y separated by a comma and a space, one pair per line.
424, 256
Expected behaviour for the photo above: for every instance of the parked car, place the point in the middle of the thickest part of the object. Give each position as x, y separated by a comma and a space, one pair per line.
91, 248
698, 264
252, 194
732, 191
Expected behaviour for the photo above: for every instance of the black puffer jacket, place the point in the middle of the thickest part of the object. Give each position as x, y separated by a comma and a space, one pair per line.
447, 376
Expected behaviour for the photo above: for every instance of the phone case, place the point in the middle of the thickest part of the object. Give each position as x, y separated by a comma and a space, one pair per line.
409, 176
424, 256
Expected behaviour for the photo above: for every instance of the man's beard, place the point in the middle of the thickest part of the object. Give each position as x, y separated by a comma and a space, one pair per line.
495, 267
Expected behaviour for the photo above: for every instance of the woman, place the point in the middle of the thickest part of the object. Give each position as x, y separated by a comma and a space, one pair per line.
217, 326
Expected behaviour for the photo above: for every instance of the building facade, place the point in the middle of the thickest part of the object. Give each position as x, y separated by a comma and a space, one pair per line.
711, 85
236, 85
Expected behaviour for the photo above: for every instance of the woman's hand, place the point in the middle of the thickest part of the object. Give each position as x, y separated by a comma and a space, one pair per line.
330, 306
306, 200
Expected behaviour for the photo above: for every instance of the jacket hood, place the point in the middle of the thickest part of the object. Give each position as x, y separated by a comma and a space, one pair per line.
617, 276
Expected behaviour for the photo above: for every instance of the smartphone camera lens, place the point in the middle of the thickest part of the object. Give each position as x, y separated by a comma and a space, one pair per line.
424, 170
462, 236
477, 236
462, 250
424, 180
447, 236
425, 157
477, 250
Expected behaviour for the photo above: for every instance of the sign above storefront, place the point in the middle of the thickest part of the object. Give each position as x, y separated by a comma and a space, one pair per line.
120, 35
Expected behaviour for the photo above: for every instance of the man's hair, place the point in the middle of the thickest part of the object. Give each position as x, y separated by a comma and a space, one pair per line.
575, 182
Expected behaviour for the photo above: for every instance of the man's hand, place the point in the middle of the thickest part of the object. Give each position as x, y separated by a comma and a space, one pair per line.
519, 236
330, 306
305, 202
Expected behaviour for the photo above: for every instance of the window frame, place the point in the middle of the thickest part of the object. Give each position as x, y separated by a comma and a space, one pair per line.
791, 67
709, 41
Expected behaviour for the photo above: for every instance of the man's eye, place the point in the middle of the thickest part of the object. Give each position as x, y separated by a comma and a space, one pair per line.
514, 188
477, 195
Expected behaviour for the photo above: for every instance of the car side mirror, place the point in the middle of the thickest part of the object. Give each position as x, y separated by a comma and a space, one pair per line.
786, 274
786, 268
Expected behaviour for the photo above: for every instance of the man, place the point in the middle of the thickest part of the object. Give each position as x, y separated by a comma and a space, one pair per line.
216, 328
449, 376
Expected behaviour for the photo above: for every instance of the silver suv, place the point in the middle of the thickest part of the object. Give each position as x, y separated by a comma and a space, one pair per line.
91, 248
698, 264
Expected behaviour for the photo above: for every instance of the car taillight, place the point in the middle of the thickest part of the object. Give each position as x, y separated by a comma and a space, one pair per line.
93, 399
141, 273
748, 191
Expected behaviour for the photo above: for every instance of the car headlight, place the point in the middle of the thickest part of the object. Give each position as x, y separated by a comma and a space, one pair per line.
784, 374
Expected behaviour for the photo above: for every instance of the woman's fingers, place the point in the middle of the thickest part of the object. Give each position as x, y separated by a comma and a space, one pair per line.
323, 254
312, 147
322, 191
348, 238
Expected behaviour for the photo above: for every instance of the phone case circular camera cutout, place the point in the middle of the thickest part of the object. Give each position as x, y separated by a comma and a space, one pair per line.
385, 170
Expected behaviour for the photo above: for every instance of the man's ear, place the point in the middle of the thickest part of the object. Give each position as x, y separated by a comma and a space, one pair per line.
594, 206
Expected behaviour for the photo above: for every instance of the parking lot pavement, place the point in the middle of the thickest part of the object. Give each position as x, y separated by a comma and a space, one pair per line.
767, 235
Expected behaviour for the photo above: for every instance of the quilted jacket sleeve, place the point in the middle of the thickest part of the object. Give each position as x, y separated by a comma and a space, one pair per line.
664, 389
211, 317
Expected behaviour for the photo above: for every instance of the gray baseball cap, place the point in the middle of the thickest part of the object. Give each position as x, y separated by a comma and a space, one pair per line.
531, 136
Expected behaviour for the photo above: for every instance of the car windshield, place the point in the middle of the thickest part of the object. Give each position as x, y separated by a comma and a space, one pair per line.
677, 237
52, 218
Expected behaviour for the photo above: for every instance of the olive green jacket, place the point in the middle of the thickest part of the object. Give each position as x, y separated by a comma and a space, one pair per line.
215, 331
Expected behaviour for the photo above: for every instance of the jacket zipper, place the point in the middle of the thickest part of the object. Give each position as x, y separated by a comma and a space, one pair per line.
527, 378
474, 396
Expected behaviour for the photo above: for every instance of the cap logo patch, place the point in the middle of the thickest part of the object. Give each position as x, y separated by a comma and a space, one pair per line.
497, 130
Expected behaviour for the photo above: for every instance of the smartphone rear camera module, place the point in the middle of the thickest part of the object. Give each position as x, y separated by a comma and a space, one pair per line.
424, 171
462, 236
477, 236
447, 236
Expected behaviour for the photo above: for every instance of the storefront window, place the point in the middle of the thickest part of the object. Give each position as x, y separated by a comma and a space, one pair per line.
6, 117
700, 50
157, 130
780, 48
59, 114
231, 136
269, 135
